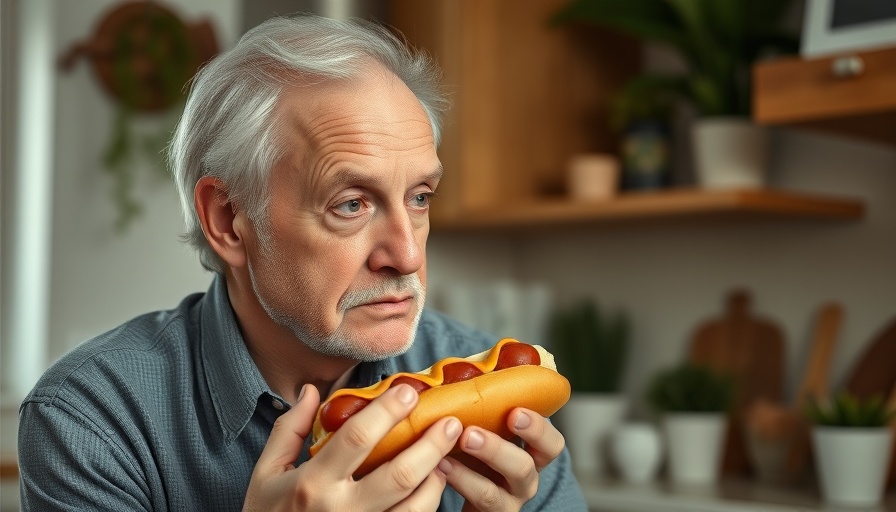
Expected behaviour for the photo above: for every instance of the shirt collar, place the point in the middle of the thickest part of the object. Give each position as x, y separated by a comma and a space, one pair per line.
234, 382
367, 374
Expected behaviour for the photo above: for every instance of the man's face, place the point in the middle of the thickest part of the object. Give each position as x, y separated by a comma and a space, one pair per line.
343, 265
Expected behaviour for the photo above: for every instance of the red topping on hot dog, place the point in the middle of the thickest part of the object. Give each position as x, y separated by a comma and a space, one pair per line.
339, 409
460, 371
517, 354
418, 385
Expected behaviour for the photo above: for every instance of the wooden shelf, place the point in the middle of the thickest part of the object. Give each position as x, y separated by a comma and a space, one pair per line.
725, 496
656, 205
808, 93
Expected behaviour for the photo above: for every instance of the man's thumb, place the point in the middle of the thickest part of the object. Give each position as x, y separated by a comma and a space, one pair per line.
290, 431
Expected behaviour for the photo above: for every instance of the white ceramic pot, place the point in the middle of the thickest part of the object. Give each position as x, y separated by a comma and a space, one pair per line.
852, 463
586, 422
730, 152
637, 451
694, 444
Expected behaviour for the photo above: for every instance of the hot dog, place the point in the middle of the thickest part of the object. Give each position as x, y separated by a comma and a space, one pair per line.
479, 390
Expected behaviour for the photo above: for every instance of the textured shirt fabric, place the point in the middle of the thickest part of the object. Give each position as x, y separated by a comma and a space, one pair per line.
168, 412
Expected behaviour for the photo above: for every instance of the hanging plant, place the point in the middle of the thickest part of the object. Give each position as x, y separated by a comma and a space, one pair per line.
143, 55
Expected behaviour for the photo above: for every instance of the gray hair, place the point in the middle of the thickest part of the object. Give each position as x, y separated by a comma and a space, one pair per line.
228, 129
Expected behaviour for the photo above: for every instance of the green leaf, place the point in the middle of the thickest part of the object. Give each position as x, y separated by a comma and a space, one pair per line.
847, 410
719, 40
690, 387
590, 348
650, 19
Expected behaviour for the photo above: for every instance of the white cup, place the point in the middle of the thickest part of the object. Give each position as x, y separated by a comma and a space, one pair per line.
593, 176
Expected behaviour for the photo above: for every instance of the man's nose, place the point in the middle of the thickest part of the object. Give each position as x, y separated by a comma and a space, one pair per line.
398, 244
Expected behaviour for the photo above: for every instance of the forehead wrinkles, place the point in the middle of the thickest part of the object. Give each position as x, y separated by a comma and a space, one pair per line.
367, 134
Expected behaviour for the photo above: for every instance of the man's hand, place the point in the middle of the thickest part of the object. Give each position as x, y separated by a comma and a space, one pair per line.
496, 474
411, 481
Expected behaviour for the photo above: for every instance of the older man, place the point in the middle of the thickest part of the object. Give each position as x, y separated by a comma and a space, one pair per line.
306, 162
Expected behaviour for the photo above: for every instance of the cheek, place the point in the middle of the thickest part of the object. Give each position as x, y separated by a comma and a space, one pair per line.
331, 267
422, 237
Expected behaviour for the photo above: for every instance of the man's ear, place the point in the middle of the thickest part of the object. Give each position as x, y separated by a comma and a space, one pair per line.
218, 219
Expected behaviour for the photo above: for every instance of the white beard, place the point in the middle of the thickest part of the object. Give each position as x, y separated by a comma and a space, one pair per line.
341, 343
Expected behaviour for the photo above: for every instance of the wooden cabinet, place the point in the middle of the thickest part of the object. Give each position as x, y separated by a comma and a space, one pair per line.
852, 94
525, 96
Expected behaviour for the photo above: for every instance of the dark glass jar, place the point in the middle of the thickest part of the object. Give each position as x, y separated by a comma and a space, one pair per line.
645, 153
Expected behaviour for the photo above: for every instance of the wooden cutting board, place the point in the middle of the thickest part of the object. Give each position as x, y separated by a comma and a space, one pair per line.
875, 371
875, 374
752, 351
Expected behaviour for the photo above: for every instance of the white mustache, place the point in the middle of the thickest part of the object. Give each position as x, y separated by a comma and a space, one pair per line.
394, 285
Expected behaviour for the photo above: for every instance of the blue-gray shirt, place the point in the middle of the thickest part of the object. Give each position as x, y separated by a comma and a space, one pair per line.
169, 413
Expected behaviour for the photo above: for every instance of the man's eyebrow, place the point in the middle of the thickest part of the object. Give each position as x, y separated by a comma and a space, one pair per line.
435, 175
350, 178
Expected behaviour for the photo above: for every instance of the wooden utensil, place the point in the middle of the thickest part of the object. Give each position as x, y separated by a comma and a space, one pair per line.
815, 379
751, 351
815, 376
784, 428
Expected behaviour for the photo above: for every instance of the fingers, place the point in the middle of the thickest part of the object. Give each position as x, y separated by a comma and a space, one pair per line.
503, 476
428, 495
289, 433
542, 439
351, 444
518, 478
418, 463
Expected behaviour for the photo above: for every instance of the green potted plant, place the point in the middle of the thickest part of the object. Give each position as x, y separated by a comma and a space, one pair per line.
591, 349
853, 440
693, 401
718, 42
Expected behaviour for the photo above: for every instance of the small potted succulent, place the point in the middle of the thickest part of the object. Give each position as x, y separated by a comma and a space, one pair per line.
853, 444
591, 349
693, 401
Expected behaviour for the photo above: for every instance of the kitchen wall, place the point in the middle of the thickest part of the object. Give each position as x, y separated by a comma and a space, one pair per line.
668, 275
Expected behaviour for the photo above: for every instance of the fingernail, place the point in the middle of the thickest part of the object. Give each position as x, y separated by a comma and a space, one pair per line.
522, 421
444, 466
452, 428
475, 440
406, 394
302, 393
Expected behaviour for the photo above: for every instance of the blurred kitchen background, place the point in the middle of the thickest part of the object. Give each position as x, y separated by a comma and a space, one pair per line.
511, 240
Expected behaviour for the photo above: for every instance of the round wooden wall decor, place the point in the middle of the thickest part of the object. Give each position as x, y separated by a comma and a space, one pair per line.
143, 54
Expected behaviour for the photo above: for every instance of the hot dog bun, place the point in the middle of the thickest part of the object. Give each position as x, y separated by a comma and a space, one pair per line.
484, 401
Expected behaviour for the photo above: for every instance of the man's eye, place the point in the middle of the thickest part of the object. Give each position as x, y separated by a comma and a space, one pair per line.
421, 200
350, 206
